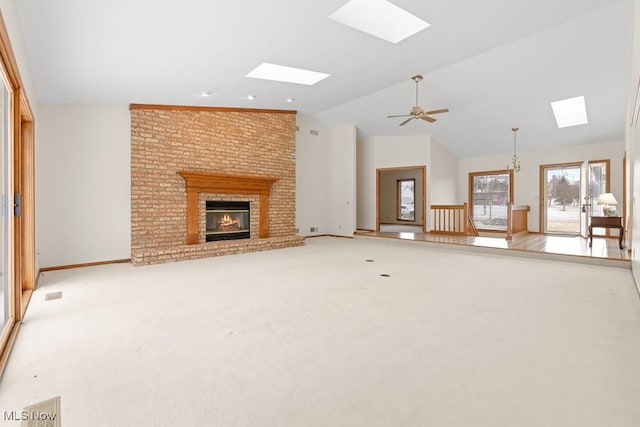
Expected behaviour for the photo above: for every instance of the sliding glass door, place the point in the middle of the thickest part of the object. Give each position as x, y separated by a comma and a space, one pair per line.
17, 225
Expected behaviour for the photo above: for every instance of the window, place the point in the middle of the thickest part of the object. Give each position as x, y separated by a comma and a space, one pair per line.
489, 196
406, 199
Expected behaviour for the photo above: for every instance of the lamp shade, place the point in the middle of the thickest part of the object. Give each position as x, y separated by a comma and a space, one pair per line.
606, 199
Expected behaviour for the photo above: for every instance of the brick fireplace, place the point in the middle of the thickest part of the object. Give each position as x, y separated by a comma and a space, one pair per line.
182, 157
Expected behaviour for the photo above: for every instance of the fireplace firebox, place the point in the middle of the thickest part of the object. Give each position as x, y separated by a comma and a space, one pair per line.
227, 220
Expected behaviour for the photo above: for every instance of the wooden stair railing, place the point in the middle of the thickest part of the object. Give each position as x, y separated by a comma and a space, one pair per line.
472, 230
452, 219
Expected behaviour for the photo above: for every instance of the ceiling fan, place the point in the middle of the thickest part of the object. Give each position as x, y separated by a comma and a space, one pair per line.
417, 112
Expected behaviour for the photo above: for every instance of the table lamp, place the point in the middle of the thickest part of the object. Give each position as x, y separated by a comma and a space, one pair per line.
608, 203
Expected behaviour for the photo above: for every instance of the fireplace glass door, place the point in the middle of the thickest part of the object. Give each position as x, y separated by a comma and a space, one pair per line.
227, 220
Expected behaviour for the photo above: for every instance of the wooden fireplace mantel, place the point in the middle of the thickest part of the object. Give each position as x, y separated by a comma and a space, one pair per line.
202, 182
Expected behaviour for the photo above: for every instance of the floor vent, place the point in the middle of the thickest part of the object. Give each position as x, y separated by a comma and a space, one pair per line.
53, 295
43, 414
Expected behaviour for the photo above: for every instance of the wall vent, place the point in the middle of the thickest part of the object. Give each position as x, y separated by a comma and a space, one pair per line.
53, 295
313, 229
314, 132
43, 414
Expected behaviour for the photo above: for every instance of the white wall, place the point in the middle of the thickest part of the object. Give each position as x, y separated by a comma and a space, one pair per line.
342, 180
385, 152
527, 181
83, 197
442, 176
312, 178
10, 17
365, 217
633, 151
325, 178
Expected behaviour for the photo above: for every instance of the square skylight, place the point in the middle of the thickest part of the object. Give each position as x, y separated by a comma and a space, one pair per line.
570, 112
281, 73
379, 18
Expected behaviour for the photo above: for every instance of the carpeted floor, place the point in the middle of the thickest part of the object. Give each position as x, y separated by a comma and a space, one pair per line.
315, 336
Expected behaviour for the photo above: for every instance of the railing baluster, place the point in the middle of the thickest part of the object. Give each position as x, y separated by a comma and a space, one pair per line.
452, 219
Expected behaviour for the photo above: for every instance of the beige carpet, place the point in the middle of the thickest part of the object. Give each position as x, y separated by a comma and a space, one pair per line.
314, 336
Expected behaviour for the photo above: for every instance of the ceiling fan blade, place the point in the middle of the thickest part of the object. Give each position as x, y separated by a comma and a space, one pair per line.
406, 121
444, 110
403, 115
428, 119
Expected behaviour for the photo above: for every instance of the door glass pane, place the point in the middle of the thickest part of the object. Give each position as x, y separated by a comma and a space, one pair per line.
5, 138
597, 185
562, 199
406, 199
490, 197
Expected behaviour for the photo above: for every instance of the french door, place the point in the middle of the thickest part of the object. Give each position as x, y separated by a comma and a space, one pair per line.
599, 183
562, 198
568, 195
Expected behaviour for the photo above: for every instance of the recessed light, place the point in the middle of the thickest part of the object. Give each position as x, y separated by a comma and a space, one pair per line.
570, 112
205, 94
281, 73
251, 97
379, 18
290, 99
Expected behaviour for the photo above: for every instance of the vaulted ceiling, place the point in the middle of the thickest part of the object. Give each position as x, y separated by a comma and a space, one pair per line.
495, 64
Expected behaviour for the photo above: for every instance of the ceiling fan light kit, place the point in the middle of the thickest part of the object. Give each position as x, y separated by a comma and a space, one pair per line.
417, 112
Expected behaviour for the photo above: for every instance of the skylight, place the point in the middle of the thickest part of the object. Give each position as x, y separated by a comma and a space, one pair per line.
379, 18
281, 73
570, 112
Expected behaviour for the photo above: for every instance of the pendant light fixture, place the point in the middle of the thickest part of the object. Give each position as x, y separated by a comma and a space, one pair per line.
515, 161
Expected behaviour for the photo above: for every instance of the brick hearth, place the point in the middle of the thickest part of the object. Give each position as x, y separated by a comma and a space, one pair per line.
166, 140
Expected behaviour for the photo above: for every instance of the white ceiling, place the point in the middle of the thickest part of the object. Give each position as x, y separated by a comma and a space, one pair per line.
495, 64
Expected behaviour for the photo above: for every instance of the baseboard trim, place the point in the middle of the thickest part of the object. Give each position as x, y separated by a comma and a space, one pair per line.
26, 298
4, 357
86, 264
329, 235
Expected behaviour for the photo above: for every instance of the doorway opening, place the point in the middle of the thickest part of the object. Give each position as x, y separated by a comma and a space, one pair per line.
401, 197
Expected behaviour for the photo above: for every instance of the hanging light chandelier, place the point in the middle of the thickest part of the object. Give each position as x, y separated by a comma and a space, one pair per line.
515, 161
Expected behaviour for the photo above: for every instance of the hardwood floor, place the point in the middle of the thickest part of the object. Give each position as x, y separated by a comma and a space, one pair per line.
605, 251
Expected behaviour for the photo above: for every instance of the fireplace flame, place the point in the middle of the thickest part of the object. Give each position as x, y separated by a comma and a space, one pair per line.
227, 222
